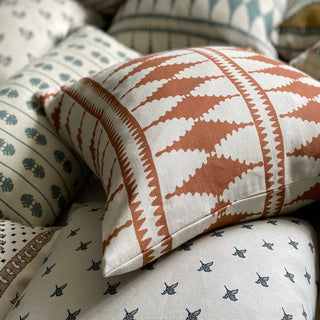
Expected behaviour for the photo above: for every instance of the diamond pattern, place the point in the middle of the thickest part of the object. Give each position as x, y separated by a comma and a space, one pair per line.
191, 140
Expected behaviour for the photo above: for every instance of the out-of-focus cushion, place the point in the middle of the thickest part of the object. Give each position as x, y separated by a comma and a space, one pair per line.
39, 173
108, 7
260, 270
190, 140
300, 28
22, 251
29, 28
309, 61
153, 25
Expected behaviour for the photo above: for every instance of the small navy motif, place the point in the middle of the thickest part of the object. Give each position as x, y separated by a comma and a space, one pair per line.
193, 315
286, 316
205, 266
48, 270
231, 294
170, 289
130, 315
112, 288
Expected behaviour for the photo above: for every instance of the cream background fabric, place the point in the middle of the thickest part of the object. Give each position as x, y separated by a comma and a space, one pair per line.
22, 251
253, 261
39, 173
30, 28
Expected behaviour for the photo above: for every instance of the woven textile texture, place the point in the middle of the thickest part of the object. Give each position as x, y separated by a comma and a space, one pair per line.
190, 140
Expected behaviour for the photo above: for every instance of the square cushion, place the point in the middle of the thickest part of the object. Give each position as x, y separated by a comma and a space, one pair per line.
39, 173
309, 61
153, 25
22, 251
300, 28
260, 270
29, 29
190, 140
108, 7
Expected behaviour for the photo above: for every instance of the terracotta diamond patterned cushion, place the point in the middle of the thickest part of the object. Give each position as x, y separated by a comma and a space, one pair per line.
190, 140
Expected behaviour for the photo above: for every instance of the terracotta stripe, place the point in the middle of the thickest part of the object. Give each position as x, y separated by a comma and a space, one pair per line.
108, 186
92, 148
56, 115
68, 122
272, 122
79, 138
111, 197
103, 157
115, 233
98, 154
146, 157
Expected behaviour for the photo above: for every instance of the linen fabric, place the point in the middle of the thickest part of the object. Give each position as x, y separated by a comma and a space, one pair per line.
152, 25
261, 270
39, 173
309, 61
190, 140
300, 28
22, 251
30, 28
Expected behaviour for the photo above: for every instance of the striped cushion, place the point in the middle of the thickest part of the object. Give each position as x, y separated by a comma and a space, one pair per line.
39, 173
187, 141
300, 28
309, 61
156, 25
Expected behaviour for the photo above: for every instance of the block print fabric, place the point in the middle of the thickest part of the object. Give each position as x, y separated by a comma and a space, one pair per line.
39, 174
22, 251
260, 270
188, 141
300, 28
309, 61
157, 25
30, 28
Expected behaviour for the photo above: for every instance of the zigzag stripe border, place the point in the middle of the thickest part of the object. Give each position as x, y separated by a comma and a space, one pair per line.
146, 161
273, 153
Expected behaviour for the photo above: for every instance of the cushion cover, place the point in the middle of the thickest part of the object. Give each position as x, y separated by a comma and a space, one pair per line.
22, 251
39, 174
157, 25
300, 28
29, 29
309, 61
189, 140
259, 270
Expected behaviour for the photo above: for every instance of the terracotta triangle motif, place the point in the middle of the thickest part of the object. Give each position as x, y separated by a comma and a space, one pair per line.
174, 163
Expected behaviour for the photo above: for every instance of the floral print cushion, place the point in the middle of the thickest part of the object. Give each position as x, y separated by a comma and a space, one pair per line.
262, 270
39, 174
30, 28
